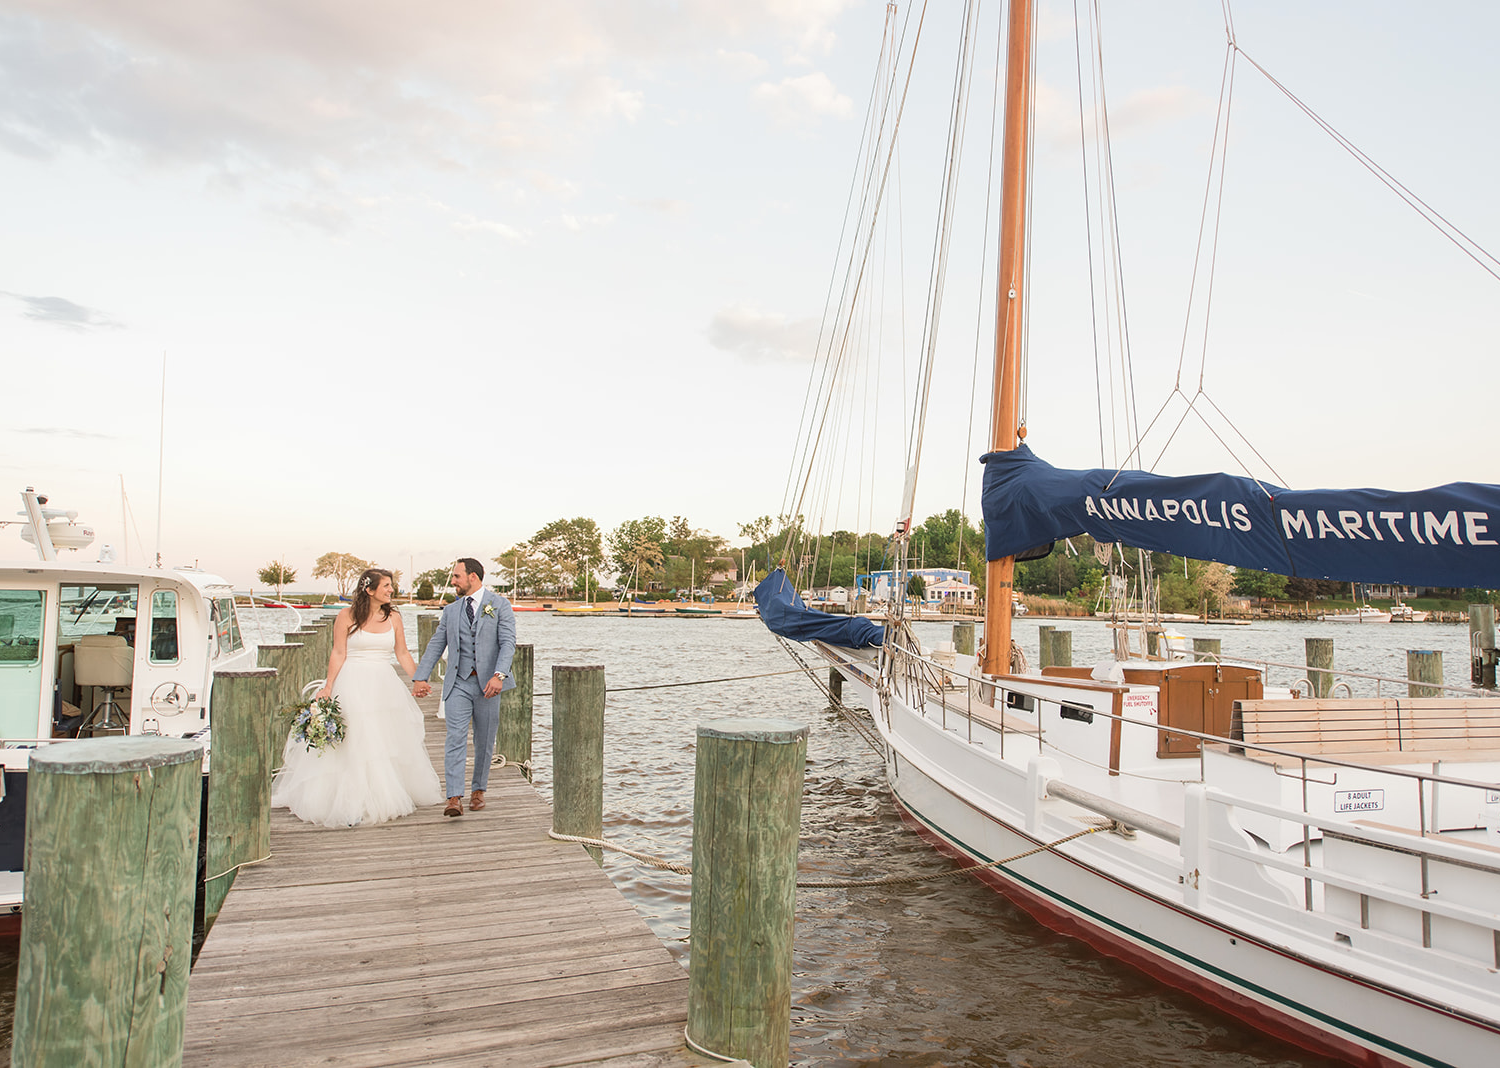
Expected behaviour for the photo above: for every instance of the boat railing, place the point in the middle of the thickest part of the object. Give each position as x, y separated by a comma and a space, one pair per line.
1380, 680
1435, 854
1451, 881
926, 680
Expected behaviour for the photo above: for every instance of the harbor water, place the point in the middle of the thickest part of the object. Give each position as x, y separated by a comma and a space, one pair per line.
944, 973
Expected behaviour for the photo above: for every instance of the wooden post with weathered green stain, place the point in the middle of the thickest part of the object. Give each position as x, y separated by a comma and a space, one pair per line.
747, 802
426, 624
111, 865
1207, 649
513, 739
1319, 666
578, 753
286, 660
835, 687
1062, 648
1044, 646
1482, 644
1424, 667
1153, 643
963, 637
239, 780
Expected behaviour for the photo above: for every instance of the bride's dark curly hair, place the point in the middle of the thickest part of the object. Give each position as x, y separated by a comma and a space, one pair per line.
363, 607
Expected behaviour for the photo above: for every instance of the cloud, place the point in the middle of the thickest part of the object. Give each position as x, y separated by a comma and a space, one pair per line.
65, 432
799, 101
238, 85
61, 312
763, 337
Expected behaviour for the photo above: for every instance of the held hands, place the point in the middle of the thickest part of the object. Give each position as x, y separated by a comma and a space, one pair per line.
420, 689
494, 686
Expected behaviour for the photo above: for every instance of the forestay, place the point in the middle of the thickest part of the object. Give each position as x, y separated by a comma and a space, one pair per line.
1446, 536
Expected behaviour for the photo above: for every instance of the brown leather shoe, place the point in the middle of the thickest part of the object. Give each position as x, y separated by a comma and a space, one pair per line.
476, 800
455, 807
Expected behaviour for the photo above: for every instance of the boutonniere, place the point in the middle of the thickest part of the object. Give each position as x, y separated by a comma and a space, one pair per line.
489, 610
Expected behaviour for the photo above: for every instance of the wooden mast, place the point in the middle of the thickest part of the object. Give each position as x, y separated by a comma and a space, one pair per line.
1005, 432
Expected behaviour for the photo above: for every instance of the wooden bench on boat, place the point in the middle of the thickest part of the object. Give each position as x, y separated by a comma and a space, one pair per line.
1391, 730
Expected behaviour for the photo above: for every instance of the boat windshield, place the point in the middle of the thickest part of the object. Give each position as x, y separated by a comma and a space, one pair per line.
103, 609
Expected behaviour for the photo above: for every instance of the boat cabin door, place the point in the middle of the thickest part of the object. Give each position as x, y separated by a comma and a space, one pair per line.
1201, 697
22, 672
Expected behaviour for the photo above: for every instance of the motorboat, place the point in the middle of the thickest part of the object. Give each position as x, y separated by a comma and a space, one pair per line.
97, 648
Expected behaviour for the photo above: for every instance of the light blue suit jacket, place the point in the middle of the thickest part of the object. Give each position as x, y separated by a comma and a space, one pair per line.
494, 642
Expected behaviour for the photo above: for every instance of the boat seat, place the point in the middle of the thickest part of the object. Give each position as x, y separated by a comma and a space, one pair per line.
1410, 729
105, 661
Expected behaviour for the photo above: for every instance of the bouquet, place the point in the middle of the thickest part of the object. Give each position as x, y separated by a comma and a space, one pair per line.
317, 724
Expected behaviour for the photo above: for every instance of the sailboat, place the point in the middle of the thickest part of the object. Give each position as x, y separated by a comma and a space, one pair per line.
1326, 870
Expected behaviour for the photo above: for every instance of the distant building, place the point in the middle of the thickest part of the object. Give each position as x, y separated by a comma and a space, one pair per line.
941, 584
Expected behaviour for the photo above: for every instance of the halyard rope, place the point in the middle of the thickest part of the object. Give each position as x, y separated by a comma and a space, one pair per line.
838, 884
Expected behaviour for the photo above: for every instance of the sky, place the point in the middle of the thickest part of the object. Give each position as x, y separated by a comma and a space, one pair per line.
424, 278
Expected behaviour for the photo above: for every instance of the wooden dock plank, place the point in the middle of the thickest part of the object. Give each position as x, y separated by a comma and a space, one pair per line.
430, 940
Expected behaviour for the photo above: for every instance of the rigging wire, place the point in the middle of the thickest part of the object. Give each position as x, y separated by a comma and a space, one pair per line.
825, 322
858, 276
1466, 244
979, 304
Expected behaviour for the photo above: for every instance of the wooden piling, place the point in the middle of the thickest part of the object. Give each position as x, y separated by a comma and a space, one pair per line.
1207, 649
426, 624
1062, 648
1319, 666
239, 781
513, 740
1482, 644
1423, 667
287, 660
1044, 646
1153, 643
835, 686
578, 753
747, 797
111, 862
963, 637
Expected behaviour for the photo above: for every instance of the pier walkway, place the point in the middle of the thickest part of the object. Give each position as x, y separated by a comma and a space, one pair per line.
434, 941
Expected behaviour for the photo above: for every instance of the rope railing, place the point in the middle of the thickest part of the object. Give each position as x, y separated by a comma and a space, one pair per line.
664, 864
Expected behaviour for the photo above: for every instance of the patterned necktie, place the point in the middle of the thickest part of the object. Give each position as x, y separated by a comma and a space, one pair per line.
469, 610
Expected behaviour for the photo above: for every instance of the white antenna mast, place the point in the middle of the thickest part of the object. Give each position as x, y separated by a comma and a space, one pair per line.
161, 436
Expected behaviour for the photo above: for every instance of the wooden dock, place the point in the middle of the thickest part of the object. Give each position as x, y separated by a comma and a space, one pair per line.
434, 941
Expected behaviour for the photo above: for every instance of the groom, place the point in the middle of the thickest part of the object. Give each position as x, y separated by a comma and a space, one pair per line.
479, 632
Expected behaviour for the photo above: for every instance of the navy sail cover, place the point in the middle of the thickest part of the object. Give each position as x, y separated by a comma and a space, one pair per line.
783, 612
1446, 536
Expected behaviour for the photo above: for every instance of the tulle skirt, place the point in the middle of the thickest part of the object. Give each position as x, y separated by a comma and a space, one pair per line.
378, 772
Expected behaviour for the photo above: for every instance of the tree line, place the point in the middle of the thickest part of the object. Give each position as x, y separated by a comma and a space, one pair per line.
565, 559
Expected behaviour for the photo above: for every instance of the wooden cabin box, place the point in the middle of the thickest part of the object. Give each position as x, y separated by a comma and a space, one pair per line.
1193, 697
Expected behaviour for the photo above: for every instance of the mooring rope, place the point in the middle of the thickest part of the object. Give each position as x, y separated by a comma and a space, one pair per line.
838, 884
647, 858
691, 682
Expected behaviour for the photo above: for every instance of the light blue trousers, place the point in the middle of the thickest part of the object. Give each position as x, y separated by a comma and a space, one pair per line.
465, 705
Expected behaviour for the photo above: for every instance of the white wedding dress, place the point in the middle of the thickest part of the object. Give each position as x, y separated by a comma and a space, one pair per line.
380, 770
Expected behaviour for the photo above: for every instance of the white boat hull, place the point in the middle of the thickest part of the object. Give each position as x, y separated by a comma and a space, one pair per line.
1237, 939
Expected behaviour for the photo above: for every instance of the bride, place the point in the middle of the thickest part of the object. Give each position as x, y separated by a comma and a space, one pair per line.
381, 769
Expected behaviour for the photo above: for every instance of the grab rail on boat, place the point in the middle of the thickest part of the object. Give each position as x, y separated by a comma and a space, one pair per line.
1133, 818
